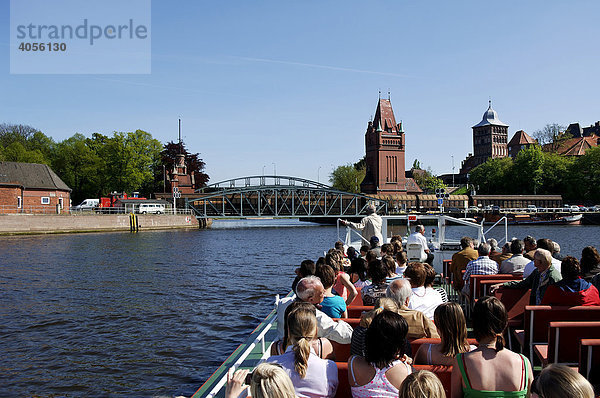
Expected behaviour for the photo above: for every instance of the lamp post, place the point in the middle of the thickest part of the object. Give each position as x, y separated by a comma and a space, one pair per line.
263, 173
452, 170
274, 168
319, 174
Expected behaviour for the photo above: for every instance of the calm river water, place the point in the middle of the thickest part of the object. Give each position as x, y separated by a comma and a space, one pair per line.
153, 313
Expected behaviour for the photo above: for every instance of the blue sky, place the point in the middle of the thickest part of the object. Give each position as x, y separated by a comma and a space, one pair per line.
291, 85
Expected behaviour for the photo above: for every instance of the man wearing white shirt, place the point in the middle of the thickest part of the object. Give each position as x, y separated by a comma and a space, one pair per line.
310, 289
422, 299
419, 237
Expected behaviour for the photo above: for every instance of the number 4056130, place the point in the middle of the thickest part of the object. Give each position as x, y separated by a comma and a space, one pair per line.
43, 46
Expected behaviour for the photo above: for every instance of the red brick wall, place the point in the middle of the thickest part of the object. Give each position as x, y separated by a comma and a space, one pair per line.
32, 200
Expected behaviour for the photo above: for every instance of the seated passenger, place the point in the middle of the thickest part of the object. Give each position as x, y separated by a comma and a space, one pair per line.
542, 276
572, 289
422, 299
590, 263
387, 249
559, 381
517, 262
429, 282
321, 346
357, 345
332, 305
363, 251
310, 289
339, 246
499, 257
381, 372
311, 375
422, 384
482, 266
396, 242
419, 326
377, 272
530, 247
358, 273
342, 285
351, 253
375, 245
491, 367
418, 237
306, 268
545, 244
390, 265
401, 262
268, 380
460, 260
452, 328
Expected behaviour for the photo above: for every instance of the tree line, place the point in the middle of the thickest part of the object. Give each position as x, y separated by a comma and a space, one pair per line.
537, 172
95, 166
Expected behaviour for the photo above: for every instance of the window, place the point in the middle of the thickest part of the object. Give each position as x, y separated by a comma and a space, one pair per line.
19, 202
45, 200
60, 203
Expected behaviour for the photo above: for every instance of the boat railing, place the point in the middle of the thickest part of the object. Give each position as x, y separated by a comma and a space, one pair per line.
505, 239
216, 382
349, 231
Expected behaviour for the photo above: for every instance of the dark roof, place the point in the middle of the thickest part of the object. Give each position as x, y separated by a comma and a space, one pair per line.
31, 176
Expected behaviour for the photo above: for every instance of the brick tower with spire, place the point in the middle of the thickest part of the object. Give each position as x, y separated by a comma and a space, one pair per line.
384, 142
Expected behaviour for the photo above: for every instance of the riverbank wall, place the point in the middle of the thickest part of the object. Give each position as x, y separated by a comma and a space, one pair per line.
18, 224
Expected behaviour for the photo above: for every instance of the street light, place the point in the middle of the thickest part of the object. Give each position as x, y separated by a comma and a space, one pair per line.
452, 170
264, 170
319, 174
274, 169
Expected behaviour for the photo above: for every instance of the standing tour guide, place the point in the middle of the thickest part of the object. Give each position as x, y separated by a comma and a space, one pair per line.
369, 226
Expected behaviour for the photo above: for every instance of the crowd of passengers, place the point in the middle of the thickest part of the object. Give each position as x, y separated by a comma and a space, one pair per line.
407, 307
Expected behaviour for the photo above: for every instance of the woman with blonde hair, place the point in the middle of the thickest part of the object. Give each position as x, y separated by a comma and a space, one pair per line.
558, 381
320, 345
451, 325
311, 375
490, 370
422, 384
268, 380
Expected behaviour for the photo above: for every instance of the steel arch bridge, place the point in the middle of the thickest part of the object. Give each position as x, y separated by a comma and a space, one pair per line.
278, 196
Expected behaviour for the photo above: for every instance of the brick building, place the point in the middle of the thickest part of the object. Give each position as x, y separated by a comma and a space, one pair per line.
31, 188
384, 143
520, 140
490, 138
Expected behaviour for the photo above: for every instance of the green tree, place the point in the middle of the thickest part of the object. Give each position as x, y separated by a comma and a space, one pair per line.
426, 180
585, 176
16, 152
79, 166
555, 176
528, 170
491, 177
347, 178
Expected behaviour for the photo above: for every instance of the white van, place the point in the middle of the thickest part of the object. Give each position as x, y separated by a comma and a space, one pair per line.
151, 208
87, 205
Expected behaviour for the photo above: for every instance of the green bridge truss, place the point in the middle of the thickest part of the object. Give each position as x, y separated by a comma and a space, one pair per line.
278, 196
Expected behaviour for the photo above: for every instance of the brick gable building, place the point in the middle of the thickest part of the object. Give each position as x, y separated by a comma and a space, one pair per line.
31, 188
385, 146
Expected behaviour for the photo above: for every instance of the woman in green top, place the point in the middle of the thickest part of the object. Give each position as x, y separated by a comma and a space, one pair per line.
491, 370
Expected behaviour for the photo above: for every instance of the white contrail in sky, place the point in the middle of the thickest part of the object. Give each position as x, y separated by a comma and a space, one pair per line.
275, 61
